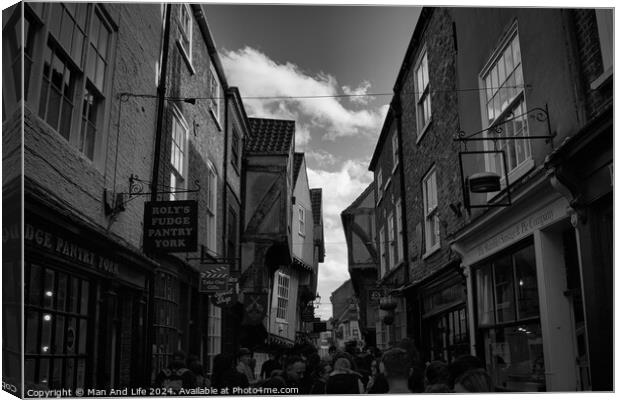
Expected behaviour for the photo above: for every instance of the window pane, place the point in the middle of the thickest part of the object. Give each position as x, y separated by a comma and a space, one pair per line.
65, 123
48, 288
61, 294
527, 287
84, 296
54, 19
508, 59
484, 283
66, 32
504, 289
32, 329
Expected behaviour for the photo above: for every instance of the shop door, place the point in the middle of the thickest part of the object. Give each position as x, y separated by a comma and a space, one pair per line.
448, 337
131, 350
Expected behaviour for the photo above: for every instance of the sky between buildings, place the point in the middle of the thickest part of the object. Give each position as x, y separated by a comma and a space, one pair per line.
302, 50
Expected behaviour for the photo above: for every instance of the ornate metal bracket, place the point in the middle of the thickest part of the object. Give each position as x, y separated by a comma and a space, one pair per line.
538, 114
136, 189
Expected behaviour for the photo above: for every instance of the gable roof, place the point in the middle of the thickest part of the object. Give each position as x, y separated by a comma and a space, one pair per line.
271, 136
297, 160
316, 198
361, 197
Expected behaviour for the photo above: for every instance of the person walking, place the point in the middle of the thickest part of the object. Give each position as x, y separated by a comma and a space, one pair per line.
397, 367
271, 364
244, 364
295, 371
376, 382
319, 384
343, 380
176, 376
225, 374
474, 381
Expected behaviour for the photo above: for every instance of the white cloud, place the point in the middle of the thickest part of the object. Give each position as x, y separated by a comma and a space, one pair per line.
340, 188
322, 157
258, 78
358, 94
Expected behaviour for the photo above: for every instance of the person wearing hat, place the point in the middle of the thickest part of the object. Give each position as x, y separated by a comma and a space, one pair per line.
244, 364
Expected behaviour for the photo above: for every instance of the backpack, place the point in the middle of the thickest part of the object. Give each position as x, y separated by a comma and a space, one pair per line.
174, 380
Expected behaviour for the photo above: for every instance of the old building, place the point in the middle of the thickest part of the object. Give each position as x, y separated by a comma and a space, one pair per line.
427, 109
390, 235
536, 257
358, 222
345, 315
109, 124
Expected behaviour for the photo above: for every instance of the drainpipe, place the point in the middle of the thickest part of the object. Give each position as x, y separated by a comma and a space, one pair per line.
225, 172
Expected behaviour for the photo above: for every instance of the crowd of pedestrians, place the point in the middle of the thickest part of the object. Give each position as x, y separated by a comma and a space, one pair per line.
342, 371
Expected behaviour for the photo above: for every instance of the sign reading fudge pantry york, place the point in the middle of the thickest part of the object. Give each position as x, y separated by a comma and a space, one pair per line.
170, 226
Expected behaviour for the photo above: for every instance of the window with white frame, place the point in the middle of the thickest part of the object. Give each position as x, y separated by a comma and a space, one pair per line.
214, 94
399, 229
431, 218
283, 291
605, 25
395, 149
185, 30
73, 87
211, 209
178, 155
382, 250
302, 220
423, 94
504, 105
214, 338
391, 262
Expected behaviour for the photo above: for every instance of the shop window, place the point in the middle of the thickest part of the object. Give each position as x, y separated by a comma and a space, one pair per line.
448, 335
422, 93
56, 330
508, 318
214, 338
178, 155
283, 296
504, 105
431, 216
166, 306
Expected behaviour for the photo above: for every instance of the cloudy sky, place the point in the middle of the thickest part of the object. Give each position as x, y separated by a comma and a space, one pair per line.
326, 53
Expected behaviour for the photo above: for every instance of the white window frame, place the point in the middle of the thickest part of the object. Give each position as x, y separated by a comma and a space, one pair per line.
424, 111
302, 220
214, 337
399, 233
605, 26
282, 296
186, 27
431, 218
211, 208
495, 85
382, 250
81, 66
214, 94
178, 159
395, 150
391, 262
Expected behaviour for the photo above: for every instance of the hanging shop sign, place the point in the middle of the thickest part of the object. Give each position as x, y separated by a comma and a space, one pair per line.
318, 327
224, 299
171, 226
214, 278
254, 308
307, 314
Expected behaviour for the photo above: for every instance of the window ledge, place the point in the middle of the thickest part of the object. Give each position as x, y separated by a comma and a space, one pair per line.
603, 79
431, 251
424, 130
215, 118
186, 58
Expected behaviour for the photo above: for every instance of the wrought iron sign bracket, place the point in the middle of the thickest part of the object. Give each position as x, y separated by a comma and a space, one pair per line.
488, 181
539, 114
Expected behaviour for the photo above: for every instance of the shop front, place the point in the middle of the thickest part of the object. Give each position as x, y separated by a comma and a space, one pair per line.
524, 303
85, 306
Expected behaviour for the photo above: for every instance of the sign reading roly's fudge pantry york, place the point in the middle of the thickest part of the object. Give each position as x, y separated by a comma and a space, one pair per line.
171, 226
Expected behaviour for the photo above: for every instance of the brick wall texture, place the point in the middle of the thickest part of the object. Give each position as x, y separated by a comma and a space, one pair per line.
436, 148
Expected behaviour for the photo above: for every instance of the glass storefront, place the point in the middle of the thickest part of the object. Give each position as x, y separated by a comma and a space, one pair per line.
57, 328
509, 321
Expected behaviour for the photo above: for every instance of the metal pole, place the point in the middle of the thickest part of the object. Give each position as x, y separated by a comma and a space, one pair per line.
161, 98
